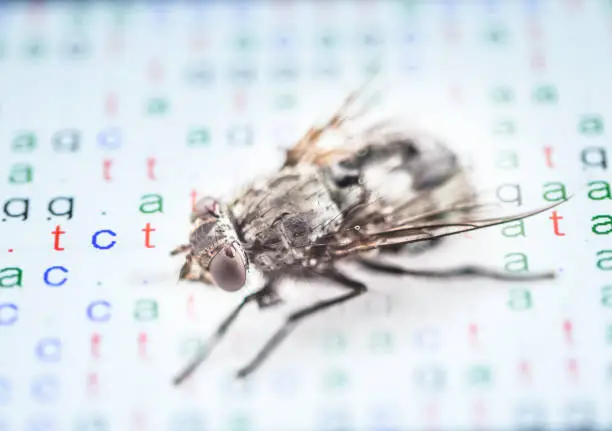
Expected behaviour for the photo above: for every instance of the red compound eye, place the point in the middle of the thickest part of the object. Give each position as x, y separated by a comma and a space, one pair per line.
228, 270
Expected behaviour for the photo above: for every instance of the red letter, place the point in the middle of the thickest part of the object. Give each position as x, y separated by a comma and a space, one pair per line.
139, 420
106, 169
111, 105
142, 345
239, 101
194, 194
555, 218
548, 153
95, 345
480, 411
92, 384
456, 94
538, 62
572, 369
151, 167
473, 330
430, 411
147, 230
57, 232
156, 73
525, 371
568, 330
190, 311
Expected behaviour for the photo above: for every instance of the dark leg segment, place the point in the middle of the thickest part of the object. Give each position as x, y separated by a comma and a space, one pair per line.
180, 249
267, 291
356, 288
452, 272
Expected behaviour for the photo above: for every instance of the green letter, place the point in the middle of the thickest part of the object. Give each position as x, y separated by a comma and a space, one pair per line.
606, 296
520, 299
381, 341
600, 263
607, 222
560, 189
335, 342
502, 95
507, 160
24, 143
591, 125
518, 229
336, 379
605, 187
146, 309
480, 375
504, 128
545, 94
156, 203
198, 137
158, 106
20, 174
519, 264
13, 275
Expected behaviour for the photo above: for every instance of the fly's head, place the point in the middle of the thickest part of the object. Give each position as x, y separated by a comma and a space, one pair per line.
215, 245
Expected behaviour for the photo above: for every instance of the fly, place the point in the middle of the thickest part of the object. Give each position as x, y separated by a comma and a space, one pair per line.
324, 207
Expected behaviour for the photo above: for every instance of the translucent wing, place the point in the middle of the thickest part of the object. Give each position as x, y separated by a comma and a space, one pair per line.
454, 219
307, 150
394, 186
411, 189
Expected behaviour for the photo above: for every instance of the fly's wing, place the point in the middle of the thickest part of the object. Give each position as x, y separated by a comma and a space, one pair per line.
426, 195
307, 149
451, 219
441, 200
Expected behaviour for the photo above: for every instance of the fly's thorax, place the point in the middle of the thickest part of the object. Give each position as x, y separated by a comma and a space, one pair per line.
281, 219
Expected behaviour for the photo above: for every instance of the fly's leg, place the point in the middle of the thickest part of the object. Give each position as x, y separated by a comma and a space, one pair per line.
183, 248
188, 273
462, 271
356, 288
186, 270
201, 277
265, 297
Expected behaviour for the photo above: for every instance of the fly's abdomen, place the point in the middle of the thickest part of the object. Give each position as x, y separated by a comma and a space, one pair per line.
399, 176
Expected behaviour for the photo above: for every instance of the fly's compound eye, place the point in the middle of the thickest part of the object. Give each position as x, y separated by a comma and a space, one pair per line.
206, 207
228, 269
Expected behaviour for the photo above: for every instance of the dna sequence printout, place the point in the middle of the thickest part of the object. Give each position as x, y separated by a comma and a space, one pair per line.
117, 117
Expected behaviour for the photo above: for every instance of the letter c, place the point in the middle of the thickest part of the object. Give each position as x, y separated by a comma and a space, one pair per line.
103, 318
59, 283
49, 349
94, 239
11, 318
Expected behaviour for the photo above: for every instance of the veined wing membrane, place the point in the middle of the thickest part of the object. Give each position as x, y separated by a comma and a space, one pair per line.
375, 237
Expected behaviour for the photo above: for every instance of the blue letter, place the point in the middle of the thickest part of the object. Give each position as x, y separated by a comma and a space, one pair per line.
5, 391
103, 318
110, 138
63, 280
45, 388
41, 424
12, 317
94, 239
49, 349
427, 338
